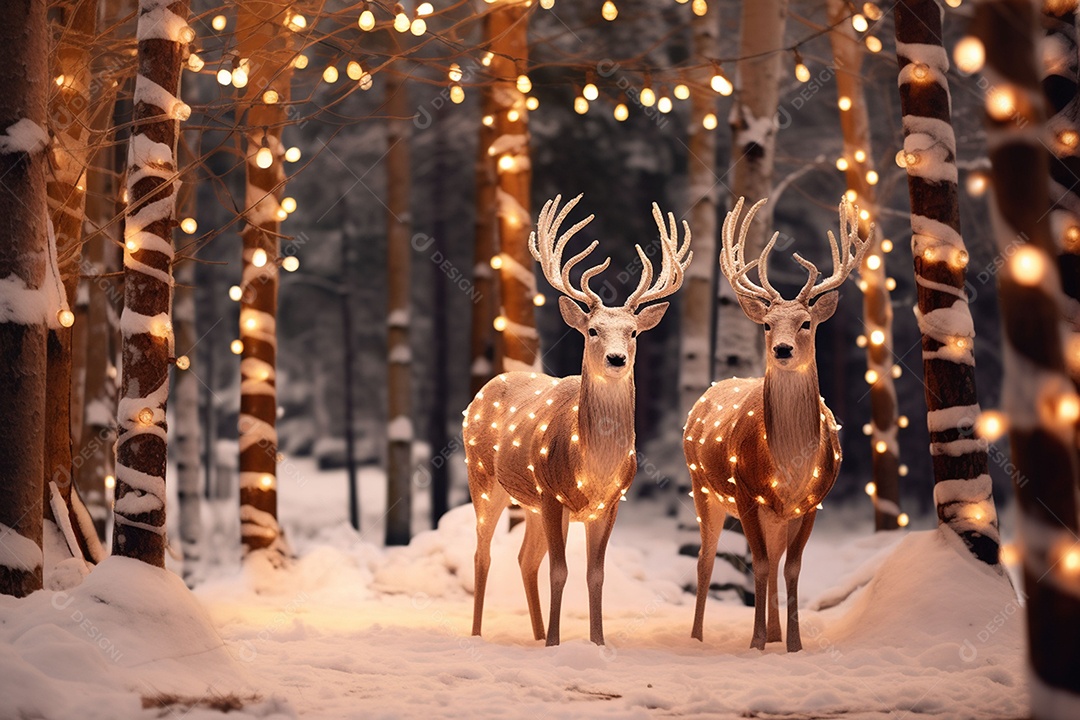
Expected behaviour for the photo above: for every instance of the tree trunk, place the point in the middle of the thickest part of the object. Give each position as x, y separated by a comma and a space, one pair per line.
739, 342
506, 30
438, 437
695, 372
848, 51
146, 326
1038, 396
266, 41
399, 261
186, 392
24, 302
962, 488
72, 24
485, 344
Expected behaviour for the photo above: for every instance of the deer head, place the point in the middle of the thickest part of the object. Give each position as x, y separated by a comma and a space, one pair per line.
790, 325
610, 332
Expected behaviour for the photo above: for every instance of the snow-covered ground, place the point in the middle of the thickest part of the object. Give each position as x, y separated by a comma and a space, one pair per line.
355, 630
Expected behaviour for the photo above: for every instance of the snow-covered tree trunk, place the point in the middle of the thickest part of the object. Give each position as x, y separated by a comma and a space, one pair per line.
506, 32
146, 325
399, 282
739, 342
962, 488
186, 397
72, 24
1039, 398
1060, 77
24, 299
266, 42
484, 343
695, 360
847, 49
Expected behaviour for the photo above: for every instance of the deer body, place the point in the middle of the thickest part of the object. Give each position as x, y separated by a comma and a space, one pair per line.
767, 450
563, 448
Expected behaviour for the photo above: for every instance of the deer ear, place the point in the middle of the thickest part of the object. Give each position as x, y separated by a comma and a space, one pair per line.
824, 307
754, 308
572, 313
650, 317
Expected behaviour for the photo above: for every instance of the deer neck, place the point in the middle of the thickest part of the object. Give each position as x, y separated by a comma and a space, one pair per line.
605, 417
792, 416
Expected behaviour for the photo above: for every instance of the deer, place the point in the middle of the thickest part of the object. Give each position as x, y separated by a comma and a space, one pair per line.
564, 448
766, 450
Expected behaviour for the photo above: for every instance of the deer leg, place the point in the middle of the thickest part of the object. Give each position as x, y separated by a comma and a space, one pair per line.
533, 549
711, 514
597, 534
755, 537
775, 541
798, 534
487, 518
553, 514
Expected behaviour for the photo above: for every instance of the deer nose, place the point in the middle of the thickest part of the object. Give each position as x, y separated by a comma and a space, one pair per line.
783, 352
616, 360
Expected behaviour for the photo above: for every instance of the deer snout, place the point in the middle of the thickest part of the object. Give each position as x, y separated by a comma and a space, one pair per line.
616, 359
782, 351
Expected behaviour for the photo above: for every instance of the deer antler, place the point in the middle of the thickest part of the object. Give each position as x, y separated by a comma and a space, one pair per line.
733, 255
548, 252
674, 259
844, 261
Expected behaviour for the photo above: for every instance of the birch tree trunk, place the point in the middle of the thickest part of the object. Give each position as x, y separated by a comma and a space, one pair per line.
848, 51
695, 371
962, 488
506, 31
265, 40
1039, 399
399, 268
146, 325
739, 342
23, 295
186, 394
72, 24
485, 343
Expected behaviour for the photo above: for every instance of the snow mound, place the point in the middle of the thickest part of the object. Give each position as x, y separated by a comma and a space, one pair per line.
128, 631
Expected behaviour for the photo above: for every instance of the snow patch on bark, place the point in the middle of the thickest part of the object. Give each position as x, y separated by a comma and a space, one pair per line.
23, 136
400, 429
17, 551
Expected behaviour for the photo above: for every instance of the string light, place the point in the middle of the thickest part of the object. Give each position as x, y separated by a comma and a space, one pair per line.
366, 21
1000, 103
532, 103
860, 341
872, 177
903, 421
267, 480
581, 105
1027, 266
681, 92
873, 44
418, 26
110, 481
236, 347
664, 104
877, 337
969, 54
802, 73
890, 284
721, 84
295, 22
920, 71
873, 261
858, 21
539, 299
270, 97
871, 488
219, 22
457, 94
300, 61
1068, 408
709, 122
290, 263
860, 155
590, 91
902, 519
264, 158
189, 225
424, 9
235, 293
500, 323
355, 71
288, 204
66, 318
699, 7
902, 470
195, 63
609, 12
871, 376
621, 112
330, 74
991, 425
292, 154
524, 84
844, 103
647, 97
146, 416
841, 164
224, 76
239, 78
187, 34
886, 245
183, 362
401, 22
258, 258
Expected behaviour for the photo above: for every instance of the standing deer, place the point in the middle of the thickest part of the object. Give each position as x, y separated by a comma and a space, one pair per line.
564, 447
766, 449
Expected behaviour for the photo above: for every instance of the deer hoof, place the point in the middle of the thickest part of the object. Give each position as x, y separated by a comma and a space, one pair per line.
757, 643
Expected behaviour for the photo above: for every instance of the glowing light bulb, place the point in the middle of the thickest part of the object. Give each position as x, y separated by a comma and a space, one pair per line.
991, 425
709, 122
873, 44
851, 196
258, 258
292, 154
871, 177
239, 78
496, 262
648, 96
880, 447
681, 91
187, 35
1027, 266
66, 318
500, 323
219, 22
890, 284
295, 22
290, 263
300, 61
288, 204
858, 21
523, 83
844, 103
195, 63
267, 480
235, 293
581, 105
621, 112
871, 377
424, 9
860, 341
721, 84
353, 70
902, 519
547, 4
457, 94
418, 27
1068, 408
859, 155
920, 71
802, 73
110, 481
506, 162
886, 245
1000, 103
877, 337
330, 74
609, 12
488, 120
401, 22
969, 55
590, 92
873, 262
871, 488
902, 470
146, 416
539, 299
366, 21
903, 421
841, 164
264, 158
183, 362
189, 225
224, 77
236, 347
664, 104
532, 103
699, 7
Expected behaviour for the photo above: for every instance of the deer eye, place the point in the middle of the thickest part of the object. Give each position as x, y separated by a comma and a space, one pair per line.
767, 327
806, 325
592, 332
633, 333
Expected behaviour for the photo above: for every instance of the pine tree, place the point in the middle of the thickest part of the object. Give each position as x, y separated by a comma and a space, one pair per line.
23, 294
962, 488
146, 325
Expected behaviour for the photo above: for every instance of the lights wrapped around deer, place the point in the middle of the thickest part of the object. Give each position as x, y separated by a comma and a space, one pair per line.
563, 448
766, 449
